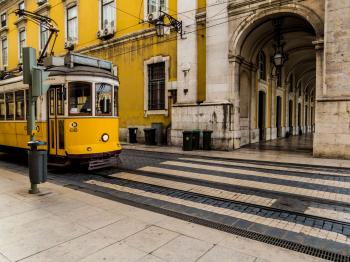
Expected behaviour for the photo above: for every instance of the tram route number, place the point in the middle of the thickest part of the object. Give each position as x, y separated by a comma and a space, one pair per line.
73, 127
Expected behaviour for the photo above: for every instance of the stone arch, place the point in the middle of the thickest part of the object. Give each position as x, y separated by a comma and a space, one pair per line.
250, 22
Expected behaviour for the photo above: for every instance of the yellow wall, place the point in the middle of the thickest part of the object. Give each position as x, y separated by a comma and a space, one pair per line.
130, 64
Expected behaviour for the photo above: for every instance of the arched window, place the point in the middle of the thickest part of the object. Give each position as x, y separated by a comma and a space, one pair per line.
262, 65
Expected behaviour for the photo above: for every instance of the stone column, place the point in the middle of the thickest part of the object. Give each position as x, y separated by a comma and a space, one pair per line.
320, 88
272, 105
187, 53
253, 135
217, 89
234, 66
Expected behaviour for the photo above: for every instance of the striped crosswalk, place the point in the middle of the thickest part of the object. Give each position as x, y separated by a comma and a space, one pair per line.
267, 166
266, 221
249, 183
297, 202
314, 181
209, 191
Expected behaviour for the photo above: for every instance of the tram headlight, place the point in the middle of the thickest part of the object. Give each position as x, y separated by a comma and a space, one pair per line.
105, 137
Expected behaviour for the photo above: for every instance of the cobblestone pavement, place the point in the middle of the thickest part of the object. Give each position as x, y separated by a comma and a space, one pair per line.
294, 203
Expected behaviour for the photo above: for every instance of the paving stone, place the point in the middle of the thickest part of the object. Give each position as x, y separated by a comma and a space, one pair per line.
309, 221
300, 219
242, 224
327, 226
261, 229
346, 231
337, 228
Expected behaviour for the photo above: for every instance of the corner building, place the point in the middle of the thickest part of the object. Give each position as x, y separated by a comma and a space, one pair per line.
248, 70
251, 94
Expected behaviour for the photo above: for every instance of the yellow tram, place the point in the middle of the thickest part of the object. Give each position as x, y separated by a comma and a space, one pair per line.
78, 118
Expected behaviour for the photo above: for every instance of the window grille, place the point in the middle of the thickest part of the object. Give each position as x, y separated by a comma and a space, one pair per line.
156, 86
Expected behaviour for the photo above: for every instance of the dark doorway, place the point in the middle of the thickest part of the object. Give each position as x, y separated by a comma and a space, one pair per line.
261, 120
306, 124
299, 118
279, 116
290, 118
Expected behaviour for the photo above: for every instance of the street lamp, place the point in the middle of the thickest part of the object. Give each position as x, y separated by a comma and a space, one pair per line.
280, 57
160, 28
160, 24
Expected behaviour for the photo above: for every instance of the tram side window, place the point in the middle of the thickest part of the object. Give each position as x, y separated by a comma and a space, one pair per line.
19, 96
80, 98
10, 106
103, 99
2, 107
116, 101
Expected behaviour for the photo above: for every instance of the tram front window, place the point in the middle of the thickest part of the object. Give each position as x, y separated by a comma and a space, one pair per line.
80, 98
103, 99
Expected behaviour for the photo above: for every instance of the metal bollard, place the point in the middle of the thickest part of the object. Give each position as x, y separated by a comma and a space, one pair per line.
37, 160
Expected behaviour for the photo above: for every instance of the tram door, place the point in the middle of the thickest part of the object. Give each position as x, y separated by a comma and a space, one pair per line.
56, 97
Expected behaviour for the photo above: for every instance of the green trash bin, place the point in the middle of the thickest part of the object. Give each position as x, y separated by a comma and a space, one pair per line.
187, 140
207, 140
196, 134
150, 136
133, 135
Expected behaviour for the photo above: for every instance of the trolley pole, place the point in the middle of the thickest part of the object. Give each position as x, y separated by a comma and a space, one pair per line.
34, 77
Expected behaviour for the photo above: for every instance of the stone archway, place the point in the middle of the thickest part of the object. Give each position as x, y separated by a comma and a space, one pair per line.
303, 27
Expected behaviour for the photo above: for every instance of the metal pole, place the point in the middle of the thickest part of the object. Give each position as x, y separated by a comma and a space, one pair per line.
31, 130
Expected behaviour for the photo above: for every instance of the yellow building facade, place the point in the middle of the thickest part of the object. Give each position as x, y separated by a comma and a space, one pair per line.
117, 31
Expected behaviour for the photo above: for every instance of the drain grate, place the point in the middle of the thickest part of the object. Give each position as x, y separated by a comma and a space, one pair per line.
316, 252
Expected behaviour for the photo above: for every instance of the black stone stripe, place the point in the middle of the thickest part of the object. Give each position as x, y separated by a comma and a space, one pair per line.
272, 181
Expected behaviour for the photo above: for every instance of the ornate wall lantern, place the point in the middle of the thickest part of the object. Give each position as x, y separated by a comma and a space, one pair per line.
160, 24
